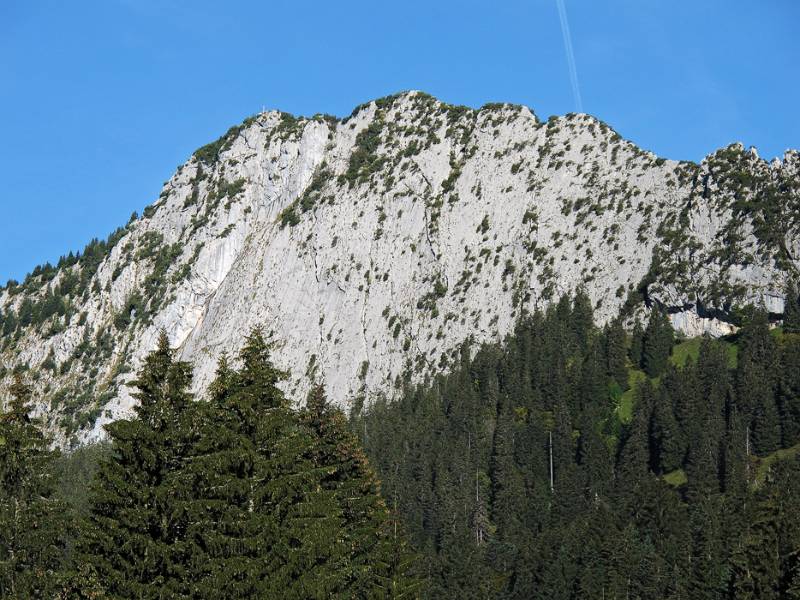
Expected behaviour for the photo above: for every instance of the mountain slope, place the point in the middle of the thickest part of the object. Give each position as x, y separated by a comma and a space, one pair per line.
371, 247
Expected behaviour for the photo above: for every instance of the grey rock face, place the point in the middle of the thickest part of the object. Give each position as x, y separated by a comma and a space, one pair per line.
372, 247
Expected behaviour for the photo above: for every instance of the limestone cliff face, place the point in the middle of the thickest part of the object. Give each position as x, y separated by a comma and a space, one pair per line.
371, 247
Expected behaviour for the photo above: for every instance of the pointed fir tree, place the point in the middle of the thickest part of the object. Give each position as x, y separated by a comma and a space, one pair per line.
135, 535
306, 559
657, 343
264, 526
766, 430
703, 467
227, 536
682, 388
789, 391
634, 459
791, 309
616, 354
594, 459
703, 418
637, 344
709, 571
756, 559
666, 439
33, 522
582, 319
377, 558
508, 492
735, 466
756, 361
756, 382
567, 484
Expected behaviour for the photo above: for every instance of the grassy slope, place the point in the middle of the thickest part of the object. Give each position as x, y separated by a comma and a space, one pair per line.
763, 464
690, 349
676, 478
625, 406
681, 353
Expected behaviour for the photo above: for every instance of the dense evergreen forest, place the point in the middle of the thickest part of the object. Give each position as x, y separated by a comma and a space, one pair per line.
570, 461
237, 496
573, 462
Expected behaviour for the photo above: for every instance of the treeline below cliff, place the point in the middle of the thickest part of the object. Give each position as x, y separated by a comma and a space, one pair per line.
579, 462
233, 496
569, 461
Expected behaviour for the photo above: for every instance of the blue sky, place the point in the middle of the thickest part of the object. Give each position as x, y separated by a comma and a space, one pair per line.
100, 100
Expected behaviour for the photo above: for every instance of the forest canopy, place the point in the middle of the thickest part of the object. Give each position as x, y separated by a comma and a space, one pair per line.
568, 461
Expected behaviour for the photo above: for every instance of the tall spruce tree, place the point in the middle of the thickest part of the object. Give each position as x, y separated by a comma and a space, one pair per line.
264, 525
228, 537
508, 492
591, 389
704, 423
789, 391
709, 570
594, 458
756, 382
765, 556
616, 354
766, 432
666, 439
657, 343
635, 458
582, 319
791, 309
637, 344
33, 522
135, 537
378, 561
735, 466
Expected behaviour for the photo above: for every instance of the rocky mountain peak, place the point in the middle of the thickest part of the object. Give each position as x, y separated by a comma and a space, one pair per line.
370, 248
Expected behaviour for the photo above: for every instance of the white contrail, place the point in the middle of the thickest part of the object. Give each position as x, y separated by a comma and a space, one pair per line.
573, 72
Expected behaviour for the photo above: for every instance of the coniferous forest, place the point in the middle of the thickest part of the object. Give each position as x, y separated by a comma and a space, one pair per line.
569, 461
237, 496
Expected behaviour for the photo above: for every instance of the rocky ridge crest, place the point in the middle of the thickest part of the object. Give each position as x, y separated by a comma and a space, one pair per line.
370, 248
